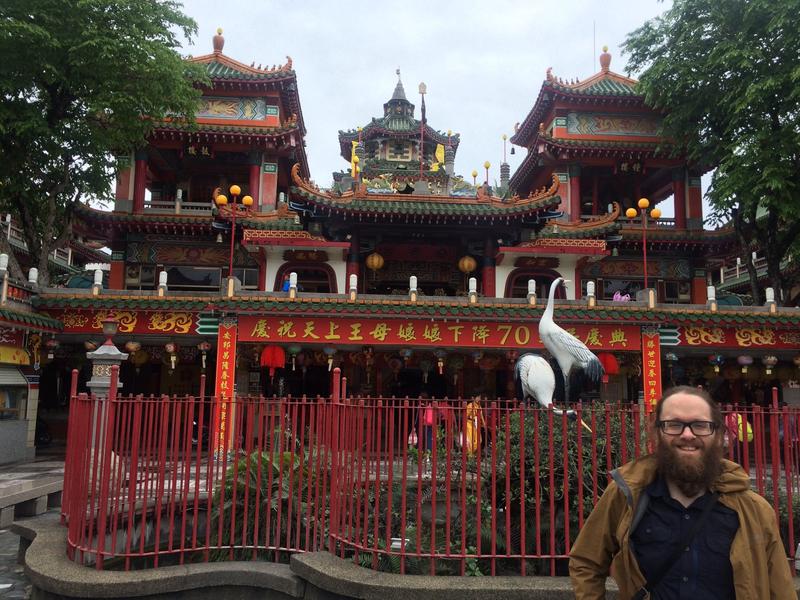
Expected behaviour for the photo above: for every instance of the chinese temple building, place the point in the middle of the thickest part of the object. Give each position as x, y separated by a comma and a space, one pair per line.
403, 274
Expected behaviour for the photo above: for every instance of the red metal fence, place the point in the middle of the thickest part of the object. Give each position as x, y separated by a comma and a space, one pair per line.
409, 486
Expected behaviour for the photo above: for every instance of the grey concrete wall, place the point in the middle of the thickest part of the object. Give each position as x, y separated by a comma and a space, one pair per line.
13, 441
312, 576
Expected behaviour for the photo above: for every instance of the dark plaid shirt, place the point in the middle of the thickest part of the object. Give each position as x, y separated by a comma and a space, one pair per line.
704, 568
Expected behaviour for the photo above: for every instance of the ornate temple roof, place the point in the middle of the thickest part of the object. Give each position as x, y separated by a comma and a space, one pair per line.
102, 222
385, 207
398, 122
227, 73
596, 227
381, 307
604, 87
29, 320
230, 76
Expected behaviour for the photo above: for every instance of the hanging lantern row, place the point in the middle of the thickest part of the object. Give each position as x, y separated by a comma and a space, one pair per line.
51, 346
467, 264
745, 360
294, 350
330, 352
440, 356
204, 347
716, 360
769, 362
272, 357
406, 353
610, 365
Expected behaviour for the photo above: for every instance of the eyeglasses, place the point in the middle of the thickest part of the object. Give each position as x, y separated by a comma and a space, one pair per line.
698, 428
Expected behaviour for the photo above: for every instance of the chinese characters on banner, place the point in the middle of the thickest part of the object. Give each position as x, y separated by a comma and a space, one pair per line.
424, 332
226, 377
651, 369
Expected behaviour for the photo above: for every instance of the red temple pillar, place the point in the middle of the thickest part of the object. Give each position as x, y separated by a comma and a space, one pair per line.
255, 179
139, 181
574, 193
269, 185
679, 194
695, 204
261, 259
353, 263
116, 276
488, 274
699, 290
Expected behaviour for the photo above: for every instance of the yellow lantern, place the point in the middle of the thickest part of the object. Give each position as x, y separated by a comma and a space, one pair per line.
374, 262
656, 213
247, 201
235, 190
631, 213
474, 173
644, 203
467, 264
487, 164
221, 200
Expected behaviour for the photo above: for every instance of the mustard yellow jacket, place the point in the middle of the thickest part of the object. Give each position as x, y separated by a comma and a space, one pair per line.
760, 568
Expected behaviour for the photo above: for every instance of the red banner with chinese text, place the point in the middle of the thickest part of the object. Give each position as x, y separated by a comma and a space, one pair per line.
651, 369
225, 382
425, 332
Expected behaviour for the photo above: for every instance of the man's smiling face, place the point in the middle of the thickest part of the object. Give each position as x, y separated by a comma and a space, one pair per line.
690, 461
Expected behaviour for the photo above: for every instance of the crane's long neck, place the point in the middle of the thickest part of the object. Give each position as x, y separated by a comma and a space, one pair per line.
548, 312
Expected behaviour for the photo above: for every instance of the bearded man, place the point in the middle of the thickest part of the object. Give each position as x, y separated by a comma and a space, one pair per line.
682, 522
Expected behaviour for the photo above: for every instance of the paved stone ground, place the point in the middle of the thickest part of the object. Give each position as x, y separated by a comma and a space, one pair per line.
13, 583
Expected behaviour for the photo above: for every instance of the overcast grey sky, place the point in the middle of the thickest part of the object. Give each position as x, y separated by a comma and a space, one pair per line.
483, 62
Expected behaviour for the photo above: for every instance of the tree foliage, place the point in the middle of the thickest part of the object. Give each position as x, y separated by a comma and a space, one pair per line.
77, 79
727, 76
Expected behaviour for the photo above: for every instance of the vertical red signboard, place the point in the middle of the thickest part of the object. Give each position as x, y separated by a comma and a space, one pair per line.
651, 368
226, 377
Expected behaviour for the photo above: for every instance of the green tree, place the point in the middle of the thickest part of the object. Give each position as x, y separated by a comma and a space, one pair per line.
727, 76
81, 81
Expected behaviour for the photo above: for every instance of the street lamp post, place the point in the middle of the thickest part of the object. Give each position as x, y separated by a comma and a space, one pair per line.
631, 213
222, 201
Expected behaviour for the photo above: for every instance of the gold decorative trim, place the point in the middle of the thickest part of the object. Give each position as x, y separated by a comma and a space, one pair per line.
361, 193
563, 243
265, 234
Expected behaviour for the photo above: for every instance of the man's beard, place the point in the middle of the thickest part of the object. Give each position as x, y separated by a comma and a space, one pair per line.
692, 477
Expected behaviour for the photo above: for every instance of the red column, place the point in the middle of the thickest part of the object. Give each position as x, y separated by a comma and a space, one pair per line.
269, 184
699, 291
139, 181
695, 209
353, 264
116, 276
255, 181
574, 193
679, 194
488, 273
261, 258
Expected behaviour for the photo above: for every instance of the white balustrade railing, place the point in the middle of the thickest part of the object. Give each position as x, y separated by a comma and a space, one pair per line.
177, 207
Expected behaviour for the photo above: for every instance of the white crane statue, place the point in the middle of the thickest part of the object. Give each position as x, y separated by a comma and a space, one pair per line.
569, 351
536, 379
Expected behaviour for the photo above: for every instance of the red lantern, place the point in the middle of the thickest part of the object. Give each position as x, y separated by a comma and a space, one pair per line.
273, 357
610, 364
